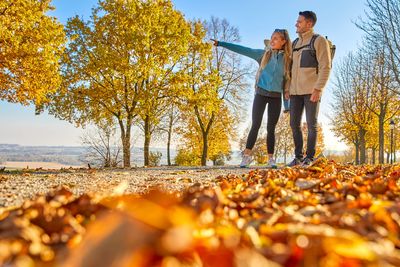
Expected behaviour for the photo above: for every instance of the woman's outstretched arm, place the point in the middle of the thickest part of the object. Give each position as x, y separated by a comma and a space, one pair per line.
255, 54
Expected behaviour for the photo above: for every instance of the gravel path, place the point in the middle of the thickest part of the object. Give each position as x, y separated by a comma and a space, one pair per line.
18, 187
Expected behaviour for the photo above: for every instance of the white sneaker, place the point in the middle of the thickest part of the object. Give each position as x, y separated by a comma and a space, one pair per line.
272, 164
294, 162
246, 160
306, 162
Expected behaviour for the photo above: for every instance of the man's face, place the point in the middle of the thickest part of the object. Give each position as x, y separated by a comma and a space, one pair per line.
303, 25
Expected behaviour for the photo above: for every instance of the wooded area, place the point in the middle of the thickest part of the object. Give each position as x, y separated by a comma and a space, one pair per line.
142, 64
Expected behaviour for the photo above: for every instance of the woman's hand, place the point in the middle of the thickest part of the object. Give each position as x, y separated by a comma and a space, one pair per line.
287, 95
215, 42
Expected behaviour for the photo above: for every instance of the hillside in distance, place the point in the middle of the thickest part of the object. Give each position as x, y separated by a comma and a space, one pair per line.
65, 155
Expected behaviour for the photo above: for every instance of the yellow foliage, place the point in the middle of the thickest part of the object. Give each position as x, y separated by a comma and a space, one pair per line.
218, 138
31, 44
116, 61
208, 122
119, 64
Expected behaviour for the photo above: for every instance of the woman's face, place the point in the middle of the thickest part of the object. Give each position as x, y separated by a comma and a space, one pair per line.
277, 41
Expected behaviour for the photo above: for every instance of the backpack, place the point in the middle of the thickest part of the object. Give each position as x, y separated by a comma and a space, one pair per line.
332, 47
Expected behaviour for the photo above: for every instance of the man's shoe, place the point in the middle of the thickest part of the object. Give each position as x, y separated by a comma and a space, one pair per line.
272, 164
294, 162
246, 161
306, 162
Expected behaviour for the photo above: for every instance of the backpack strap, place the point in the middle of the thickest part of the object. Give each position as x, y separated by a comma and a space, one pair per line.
294, 44
312, 42
312, 48
301, 47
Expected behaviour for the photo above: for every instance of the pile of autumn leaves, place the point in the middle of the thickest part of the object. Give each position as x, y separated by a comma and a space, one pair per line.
325, 215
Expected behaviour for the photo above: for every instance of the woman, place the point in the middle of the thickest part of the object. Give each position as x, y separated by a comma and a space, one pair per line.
272, 77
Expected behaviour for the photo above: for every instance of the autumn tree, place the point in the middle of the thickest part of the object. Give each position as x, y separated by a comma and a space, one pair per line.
209, 92
31, 44
373, 85
382, 23
352, 115
168, 126
380, 89
219, 136
396, 136
200, 97
346, 132
382, 34
117, 64
372, 139
226, 80
166, 48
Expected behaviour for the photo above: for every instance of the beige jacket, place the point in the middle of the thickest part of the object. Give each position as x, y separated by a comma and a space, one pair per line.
305, 78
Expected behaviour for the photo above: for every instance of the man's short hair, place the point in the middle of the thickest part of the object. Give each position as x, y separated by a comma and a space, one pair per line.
309, 15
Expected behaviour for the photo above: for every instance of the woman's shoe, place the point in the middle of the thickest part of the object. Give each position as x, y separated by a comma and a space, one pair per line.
246, 161
272, 164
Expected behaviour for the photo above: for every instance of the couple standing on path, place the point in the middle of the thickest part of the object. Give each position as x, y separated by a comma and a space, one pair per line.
295, 71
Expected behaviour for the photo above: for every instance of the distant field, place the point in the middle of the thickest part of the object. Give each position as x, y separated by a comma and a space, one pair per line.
34, 165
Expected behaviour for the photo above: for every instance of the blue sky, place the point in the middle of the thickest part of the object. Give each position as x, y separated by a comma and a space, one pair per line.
255, 19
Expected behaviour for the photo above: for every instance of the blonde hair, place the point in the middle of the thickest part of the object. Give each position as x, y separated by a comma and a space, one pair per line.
287, 57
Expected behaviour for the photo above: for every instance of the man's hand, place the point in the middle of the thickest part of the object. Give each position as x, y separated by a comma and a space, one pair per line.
215, 42
315, 96
287, 95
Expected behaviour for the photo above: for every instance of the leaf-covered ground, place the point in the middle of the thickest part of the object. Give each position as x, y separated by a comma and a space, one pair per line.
326, 215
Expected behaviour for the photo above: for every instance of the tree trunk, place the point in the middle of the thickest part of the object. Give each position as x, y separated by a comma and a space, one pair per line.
205, 149
381, 140
108, 153
394, 146
204, 131
169, 141
357, 154
147, 138
374, 156
362, 133
357, 148
204, 155
169, 150
387, 158
126, 142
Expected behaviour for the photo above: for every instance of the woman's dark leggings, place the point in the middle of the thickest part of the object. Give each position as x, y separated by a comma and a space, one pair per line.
274, 110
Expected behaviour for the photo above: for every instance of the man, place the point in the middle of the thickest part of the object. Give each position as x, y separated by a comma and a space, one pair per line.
310, 73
